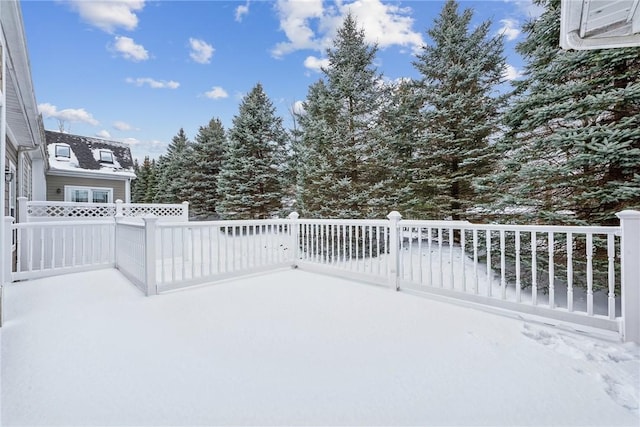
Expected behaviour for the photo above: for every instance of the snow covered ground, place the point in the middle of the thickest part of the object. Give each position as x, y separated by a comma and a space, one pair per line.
292, 348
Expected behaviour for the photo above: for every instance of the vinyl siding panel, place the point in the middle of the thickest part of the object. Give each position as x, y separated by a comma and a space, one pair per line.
11, 156
58, 182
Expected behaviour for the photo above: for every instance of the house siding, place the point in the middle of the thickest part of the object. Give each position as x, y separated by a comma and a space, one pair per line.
54, 182
11, 156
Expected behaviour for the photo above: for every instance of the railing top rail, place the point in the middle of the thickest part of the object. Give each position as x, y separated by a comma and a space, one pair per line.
152, 205
132, 222
513, 227
70, 204
336, 221
224, 223
66, 224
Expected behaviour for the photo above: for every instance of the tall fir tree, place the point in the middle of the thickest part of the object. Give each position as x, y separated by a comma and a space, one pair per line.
572, 150
141, 183
173, 171
204, 166
461, 69
152, 182
403, 126
340, 172
250, 182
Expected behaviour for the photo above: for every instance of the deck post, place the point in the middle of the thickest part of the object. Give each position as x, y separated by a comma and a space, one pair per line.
630, 271
185, 211
119, 208
150, 223
7, 262
295, 237
394, 250
22, 209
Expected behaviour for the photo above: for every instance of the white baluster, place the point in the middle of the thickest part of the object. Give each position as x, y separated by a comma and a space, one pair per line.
489, 275
518, 281
503, 268
451, 278
570, 271
463, 258
552, 303
441, 277
475, 261
590, 274
611, 252
534, 269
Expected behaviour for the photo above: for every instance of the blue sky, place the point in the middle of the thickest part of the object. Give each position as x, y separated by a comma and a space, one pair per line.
137, 71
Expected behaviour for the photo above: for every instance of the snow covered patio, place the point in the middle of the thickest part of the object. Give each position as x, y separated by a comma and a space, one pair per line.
295, 348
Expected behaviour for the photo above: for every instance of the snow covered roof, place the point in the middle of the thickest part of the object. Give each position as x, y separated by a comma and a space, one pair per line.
87, 155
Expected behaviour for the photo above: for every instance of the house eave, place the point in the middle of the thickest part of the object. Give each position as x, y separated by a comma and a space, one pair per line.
94, 174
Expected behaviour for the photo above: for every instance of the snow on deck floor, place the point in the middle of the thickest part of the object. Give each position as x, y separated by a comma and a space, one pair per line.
293, 348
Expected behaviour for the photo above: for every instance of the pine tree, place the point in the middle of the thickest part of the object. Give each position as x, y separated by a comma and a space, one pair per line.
152, 182
403, 126
572, 151
460, 70
339, 168
141, 183
250, 182
173, 177
205, 163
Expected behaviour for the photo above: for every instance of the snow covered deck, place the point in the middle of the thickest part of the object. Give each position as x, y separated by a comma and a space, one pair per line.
292, 348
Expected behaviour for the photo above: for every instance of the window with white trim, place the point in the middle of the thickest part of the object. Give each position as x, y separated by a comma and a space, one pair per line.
63, 151
106, 156
88, 194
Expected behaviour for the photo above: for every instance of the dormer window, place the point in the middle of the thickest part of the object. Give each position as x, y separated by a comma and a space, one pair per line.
63, 151
106, 156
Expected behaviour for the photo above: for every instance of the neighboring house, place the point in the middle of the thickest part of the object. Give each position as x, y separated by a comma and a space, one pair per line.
21, 130
85, 169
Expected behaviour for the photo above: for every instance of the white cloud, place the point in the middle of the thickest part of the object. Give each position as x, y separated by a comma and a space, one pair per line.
384, 23
295, 20
141, 149
313, 63
152, 83
128, 49
241, 11
67, 115
510, 72
201, 51
298, 107
510, 29
527, 8
122, 126
109, 15
216, 92
103, 134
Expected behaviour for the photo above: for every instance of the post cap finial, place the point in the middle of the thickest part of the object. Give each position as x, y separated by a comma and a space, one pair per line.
394, 215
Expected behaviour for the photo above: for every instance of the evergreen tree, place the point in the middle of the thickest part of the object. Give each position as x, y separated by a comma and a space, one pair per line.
173, 177
250, 182
461, 69
340, 173
403, 126
152, 182
204, 165
572, 150
141, 183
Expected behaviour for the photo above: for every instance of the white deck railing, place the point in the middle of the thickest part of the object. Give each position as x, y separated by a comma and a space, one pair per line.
584, 275
50, 248
36, 210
